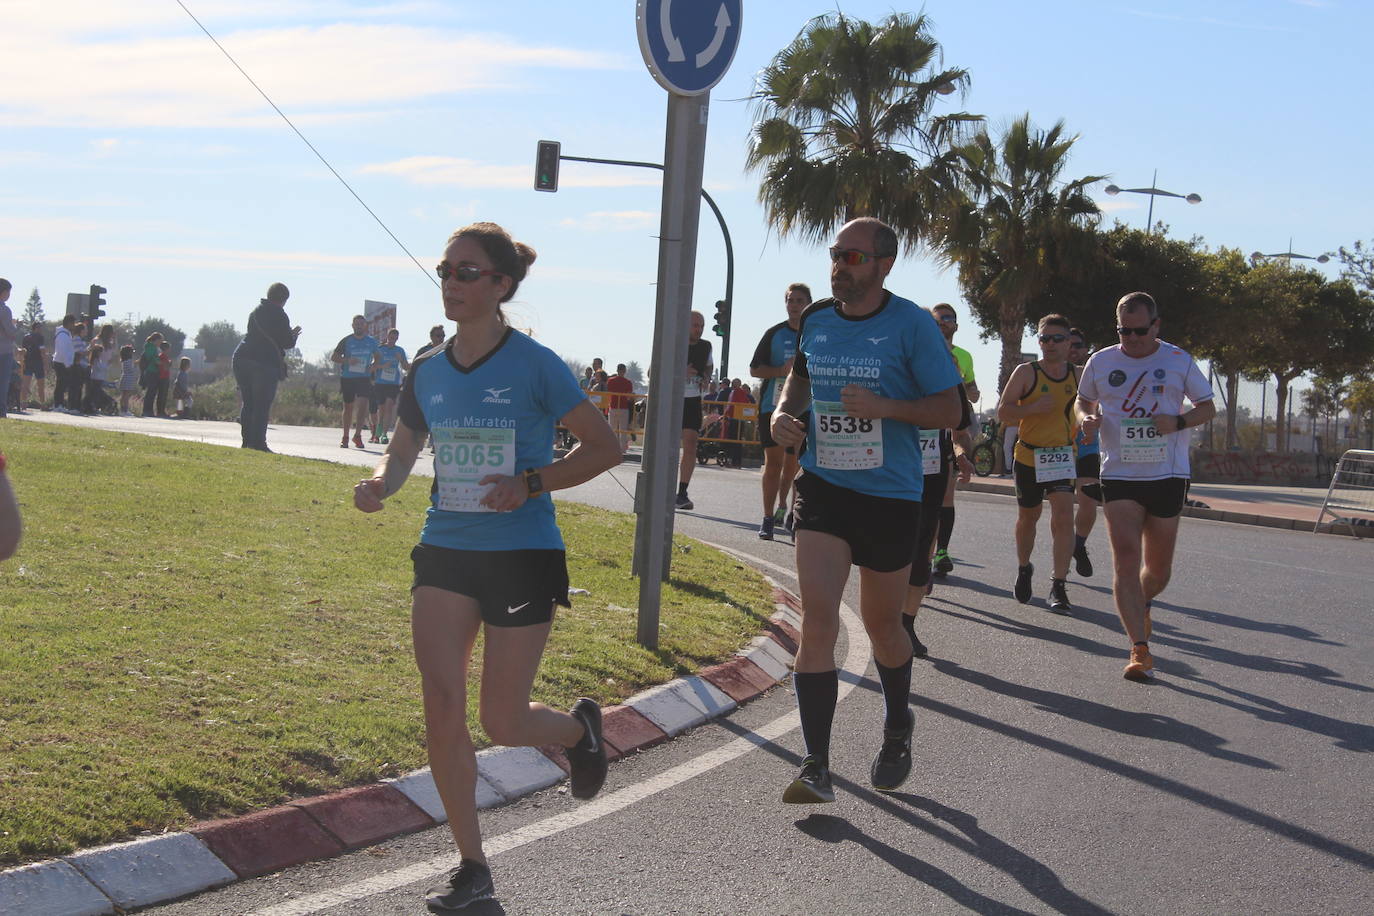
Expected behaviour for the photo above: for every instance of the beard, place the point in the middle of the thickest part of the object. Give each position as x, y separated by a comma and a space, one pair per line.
846, 287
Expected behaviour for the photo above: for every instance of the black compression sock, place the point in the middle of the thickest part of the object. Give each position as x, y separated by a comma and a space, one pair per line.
682, 489
1079, 541
896, 693
909, 623
817, 693
946, 527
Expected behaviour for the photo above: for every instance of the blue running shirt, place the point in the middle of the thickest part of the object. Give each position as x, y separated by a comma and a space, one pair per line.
357, 355
778, 345
495, 417
897, 352
389, 365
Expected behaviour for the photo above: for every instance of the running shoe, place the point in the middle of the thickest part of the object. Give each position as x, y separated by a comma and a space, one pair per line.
1138, 668
587, 758
385, 440
943, 564
469, 884
344, 443
812, 785
1059, 597
684, 503
893, 764
918, 648
766, 529
357, 440
372, 439
1023, 582
1081, 564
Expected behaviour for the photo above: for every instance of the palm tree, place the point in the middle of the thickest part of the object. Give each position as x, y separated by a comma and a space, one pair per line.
843, 127
1020, 225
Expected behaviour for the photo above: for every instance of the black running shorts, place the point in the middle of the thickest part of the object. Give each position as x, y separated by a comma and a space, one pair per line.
691, 414
1089, 466
766, 430
1161, 498
881, 532
354, 388
380, 394
513, 588
1029, 492
932, 498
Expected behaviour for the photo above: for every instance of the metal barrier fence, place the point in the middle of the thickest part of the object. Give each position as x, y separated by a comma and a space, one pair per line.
722, 422
1351, 491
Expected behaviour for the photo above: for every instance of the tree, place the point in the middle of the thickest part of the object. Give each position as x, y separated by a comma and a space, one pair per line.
635, 373
1358, 262
33, 309
218, 339
1019, 226
843, 128
1360, 403
148, 325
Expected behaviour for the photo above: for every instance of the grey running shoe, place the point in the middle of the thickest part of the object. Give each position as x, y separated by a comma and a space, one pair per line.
587, 758
766, 529
469, 884
684, 503
1023, 582
1059, 597
812, 785
1081, 564
893, 764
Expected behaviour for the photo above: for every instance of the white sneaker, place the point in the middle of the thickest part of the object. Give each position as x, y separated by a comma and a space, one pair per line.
126, 414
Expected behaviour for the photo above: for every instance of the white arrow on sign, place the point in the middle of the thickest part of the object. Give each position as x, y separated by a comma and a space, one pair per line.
670, 40
722, 26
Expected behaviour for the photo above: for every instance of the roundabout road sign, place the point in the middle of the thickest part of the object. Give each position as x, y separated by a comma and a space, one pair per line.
688, 44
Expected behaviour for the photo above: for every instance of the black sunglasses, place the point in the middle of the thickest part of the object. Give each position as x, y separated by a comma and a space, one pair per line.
1139, 332
1053, 338
464, 273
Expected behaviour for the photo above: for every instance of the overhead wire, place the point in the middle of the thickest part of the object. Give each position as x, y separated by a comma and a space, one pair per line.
302, 136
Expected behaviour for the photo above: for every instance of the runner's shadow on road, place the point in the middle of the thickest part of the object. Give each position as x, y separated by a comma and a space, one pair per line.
1349, 736
1027, 628
1142, 725
1245, 623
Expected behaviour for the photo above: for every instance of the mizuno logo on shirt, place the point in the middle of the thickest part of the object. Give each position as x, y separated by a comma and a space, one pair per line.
436, 399
512, 610
876, 340
820, 338
495, 396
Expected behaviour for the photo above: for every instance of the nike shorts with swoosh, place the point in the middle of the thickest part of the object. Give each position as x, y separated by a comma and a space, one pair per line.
512, 588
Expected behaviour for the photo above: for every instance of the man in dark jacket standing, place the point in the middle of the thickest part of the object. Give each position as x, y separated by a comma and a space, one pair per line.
260, 363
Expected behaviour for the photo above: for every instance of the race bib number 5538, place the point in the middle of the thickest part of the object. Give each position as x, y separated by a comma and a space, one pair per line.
844, 442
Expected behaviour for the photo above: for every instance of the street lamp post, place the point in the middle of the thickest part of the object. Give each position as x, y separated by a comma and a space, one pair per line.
1289, 256
1153, 192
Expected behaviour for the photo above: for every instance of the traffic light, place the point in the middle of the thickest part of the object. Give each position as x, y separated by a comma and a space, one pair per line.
94, 303
722, 326
546, 165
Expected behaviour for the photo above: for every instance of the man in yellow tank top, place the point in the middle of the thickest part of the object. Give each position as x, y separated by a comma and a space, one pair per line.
1039, 398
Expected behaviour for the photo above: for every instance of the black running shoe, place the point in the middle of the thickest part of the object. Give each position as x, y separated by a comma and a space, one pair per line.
1059, 597
766, 529
469, 884
812, 785
1023, 583
918, 648
943, 564
683, 503
1081, 564
893, 764
587, 758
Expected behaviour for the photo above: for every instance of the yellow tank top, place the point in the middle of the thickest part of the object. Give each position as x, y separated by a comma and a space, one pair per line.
1047, 429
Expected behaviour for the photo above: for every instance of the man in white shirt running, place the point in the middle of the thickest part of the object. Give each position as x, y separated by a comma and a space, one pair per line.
1139, 386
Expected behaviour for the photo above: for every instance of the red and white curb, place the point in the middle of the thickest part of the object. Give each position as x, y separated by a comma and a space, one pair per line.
125, 876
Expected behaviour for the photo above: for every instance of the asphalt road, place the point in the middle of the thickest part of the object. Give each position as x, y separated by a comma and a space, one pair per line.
1237, 783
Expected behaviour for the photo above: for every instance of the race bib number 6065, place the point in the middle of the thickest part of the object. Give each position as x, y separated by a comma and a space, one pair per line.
464, 456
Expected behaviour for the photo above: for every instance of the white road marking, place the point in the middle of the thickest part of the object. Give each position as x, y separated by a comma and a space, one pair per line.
856, 661
1322, 572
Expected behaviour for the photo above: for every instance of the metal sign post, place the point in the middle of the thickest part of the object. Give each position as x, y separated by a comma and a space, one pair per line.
687, 50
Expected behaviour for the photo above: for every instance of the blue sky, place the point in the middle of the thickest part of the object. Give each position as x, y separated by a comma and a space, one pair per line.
134, 155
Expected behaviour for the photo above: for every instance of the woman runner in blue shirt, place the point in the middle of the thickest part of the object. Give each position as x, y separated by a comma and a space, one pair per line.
490, 555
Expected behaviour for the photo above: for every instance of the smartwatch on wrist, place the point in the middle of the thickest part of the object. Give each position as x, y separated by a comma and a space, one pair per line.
1182, 423
533, 483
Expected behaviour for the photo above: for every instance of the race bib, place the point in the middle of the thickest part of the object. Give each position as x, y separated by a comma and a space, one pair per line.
930, 451
1054, 464
464, 456
390, 376
777, 390
846, 443
357, 364
1141, 441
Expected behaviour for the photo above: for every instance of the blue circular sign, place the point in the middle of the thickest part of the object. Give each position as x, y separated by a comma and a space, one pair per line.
688, 44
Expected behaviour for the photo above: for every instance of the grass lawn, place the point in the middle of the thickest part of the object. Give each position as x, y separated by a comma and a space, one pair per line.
191, 631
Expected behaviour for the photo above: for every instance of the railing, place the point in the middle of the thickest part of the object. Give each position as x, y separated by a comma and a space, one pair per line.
1350, 497
715, 424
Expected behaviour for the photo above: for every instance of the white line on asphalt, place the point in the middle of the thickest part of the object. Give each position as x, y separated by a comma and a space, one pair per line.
1322, 572
856, 661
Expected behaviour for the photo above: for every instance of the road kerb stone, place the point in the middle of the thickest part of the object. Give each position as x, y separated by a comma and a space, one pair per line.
765, 652
152, 870
517, 771
51, 889
268, 841
740, 678
366, 815
682, 704
629, 730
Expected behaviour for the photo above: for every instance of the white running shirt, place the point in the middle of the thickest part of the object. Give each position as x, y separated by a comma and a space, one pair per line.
1130, 391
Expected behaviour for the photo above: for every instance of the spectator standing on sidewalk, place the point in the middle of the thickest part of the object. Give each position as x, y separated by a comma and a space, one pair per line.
147, 372
63, 346
35, 367
128, 379
181, 389
619, 386
260, 363
164, 376
491, 559
9, 343
81, 368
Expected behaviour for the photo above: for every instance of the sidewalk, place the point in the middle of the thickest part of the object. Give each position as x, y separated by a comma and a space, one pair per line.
1291, 508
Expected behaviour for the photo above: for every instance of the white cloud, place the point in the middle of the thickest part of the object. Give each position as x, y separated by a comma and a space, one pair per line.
613, 221
182, 80
469, 173
1108, 206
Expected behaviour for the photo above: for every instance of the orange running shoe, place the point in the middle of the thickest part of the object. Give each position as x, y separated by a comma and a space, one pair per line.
1138, 668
